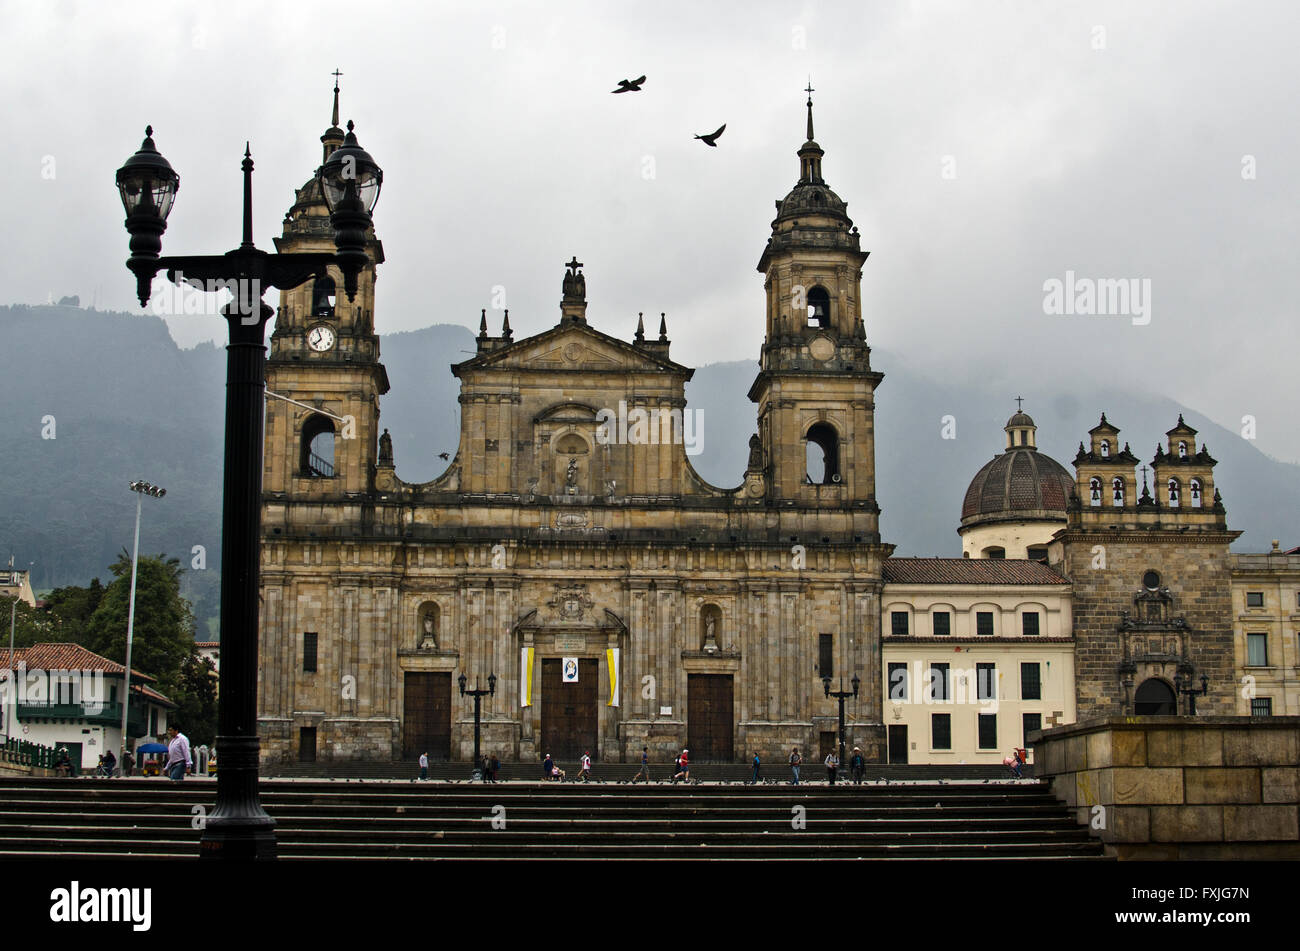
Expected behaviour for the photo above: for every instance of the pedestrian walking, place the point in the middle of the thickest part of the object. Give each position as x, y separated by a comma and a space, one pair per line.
494, 765
683, 768
832, 766
857, 763
424, 766
758, 775
178, 755
795, 760
645, 765
584, 771
128, 763
548, 768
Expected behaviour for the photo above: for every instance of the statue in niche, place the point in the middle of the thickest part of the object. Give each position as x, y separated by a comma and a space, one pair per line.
385, 449
571, 478
710, 617
755, 453
429, 629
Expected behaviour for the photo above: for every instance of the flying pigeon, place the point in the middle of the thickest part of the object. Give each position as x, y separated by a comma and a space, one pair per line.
444, 456
711, 140
628, 85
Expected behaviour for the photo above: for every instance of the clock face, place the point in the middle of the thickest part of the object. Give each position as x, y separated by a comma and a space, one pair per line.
320, 338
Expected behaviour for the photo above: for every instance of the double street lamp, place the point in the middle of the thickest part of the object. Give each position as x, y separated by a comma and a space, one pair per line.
238, 827
141, 489
842, 695
478, 694
1183, 682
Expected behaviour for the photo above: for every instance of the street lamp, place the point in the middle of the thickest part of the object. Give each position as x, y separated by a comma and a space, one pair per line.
841, 695
1183, 686
238, 827
478, 694
141, 489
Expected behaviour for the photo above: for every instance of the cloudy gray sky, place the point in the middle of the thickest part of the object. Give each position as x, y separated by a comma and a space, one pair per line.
983, 149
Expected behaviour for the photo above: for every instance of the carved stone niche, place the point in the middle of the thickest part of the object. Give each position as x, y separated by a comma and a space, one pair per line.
710, 632
428, 626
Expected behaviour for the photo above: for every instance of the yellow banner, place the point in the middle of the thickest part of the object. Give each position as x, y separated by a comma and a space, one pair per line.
611, 660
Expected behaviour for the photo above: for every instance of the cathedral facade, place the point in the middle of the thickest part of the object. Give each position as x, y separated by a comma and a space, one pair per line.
571, 563
570, 560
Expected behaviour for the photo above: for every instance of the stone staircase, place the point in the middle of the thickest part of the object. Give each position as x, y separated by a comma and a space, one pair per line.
339, 820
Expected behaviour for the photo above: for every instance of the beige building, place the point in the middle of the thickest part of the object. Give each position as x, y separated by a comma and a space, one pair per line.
1266, 632
570, 552
977, 653
17, 583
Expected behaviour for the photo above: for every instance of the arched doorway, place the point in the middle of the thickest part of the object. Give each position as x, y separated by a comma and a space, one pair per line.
1154, 698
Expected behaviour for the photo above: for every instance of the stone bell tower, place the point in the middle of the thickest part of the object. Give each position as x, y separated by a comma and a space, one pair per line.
1151, 577
325, 359
816, 389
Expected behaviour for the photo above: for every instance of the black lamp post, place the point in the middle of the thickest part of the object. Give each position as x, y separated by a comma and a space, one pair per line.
1184, 687
841, 695
238, 827
478, 694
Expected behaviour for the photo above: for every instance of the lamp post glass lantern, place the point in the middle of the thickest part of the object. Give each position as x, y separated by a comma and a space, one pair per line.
478, 694
238, 827
841, 695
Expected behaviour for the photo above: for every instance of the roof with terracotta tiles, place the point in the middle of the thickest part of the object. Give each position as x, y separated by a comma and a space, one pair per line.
969, 571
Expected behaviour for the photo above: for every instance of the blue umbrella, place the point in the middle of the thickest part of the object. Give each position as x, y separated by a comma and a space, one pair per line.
151, 748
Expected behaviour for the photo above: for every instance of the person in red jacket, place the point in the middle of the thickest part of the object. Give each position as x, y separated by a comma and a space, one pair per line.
683, 768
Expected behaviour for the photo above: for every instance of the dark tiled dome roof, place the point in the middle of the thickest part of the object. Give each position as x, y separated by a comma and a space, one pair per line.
1020, 483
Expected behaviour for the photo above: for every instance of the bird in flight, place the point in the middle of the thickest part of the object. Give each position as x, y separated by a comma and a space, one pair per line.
444, 456
711, 140
628, 85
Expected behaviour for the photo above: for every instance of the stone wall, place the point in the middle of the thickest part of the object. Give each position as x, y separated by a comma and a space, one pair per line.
1172, 788
1106, 571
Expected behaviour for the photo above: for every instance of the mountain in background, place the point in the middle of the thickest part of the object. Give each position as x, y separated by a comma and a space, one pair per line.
122, 402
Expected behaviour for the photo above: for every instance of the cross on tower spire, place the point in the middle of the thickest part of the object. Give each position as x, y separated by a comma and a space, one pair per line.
334, 121
810, 91
1019, 401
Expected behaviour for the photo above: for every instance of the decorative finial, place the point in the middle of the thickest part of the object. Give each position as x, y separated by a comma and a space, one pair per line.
506, 332
482, 323
148, 132
350, 127
334, 121
663, 327
810, 91
640, 327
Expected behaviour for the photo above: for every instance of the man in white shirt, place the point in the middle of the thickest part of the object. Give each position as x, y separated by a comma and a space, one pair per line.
424, 766
178, 754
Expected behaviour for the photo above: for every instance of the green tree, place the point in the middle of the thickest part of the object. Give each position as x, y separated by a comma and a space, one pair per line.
164, 625
72, 607
196, 697
30, 625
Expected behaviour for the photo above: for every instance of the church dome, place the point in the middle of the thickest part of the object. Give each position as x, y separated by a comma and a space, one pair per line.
811, 198
1021, 484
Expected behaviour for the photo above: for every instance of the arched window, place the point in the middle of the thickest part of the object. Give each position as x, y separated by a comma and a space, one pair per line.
1154, 698
571, 444
1173, 493
1094, 490
819, 307
823, 455
323, 297
1117, 487
316, 459
1194, 488
994, 551
1105, 448
1182, 449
